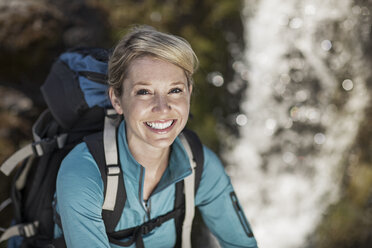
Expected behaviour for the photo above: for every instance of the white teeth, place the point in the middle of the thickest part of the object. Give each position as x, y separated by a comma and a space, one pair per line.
159, 125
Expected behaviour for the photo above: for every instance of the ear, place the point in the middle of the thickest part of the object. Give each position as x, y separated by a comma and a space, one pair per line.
115, 101
190, 89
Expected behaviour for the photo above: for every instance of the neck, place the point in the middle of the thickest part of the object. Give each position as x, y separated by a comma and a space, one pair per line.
150, 157
155, 161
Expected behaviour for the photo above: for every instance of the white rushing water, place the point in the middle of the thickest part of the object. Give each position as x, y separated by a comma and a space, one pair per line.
301, 113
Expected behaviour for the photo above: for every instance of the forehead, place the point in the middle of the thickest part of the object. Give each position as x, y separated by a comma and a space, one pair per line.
149, 68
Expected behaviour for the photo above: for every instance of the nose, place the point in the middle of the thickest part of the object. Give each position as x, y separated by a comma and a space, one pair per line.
161, 104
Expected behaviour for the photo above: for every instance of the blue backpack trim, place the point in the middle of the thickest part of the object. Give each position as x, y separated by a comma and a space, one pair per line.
95, 93
76, 87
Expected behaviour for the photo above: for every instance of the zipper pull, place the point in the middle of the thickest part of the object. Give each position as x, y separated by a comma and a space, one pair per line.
147, 204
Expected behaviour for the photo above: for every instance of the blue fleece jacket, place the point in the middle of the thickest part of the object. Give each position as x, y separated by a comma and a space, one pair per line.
79, 199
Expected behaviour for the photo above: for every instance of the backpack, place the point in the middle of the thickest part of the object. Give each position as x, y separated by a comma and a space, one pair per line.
79, 111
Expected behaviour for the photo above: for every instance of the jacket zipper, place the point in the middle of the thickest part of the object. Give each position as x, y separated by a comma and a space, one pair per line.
148, 208
240, 214
145, 204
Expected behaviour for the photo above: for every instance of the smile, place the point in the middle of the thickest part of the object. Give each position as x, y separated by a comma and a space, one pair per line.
160, 125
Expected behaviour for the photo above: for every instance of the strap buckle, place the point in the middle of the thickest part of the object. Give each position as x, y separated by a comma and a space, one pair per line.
37, 148
25, 230
113, 170
28, 230
145, 229
151, 225
47, 145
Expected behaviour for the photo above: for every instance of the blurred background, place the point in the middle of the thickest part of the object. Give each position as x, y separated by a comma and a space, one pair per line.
283, 95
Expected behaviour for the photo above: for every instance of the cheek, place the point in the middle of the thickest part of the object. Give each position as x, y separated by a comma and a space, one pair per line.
183, 106
134, 110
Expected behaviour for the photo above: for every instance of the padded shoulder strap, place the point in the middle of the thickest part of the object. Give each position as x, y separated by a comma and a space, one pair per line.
194, 149
198, 154
96, 148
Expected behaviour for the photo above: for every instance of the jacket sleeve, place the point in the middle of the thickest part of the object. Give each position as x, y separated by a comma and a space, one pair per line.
219, 206
79, 197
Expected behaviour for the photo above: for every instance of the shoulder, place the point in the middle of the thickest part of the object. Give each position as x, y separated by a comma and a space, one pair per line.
78, 160
214, 180
78, 172
209, 155
212, 162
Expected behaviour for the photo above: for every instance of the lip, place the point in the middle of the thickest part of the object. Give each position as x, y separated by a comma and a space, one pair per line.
161, 131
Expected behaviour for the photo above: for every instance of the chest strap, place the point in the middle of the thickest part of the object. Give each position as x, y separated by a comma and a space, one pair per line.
135, 233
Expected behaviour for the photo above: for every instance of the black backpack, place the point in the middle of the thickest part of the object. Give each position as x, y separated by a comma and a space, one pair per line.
78, 108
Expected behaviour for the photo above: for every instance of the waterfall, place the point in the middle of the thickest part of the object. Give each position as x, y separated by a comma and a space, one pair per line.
305, 100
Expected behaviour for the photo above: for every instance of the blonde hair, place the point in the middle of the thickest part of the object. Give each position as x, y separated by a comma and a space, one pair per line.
146, 41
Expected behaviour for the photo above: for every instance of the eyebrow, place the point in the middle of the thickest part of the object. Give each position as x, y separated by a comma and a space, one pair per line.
141, 83
179, 82
144, 83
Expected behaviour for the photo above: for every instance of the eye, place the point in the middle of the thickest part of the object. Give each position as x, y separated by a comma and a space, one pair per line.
175, 90
142, 92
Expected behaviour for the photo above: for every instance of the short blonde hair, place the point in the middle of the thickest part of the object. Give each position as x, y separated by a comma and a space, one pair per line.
146, 41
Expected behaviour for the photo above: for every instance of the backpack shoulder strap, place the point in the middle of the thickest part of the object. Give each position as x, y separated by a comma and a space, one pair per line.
194, 150
47, 140
197, 153
111, 173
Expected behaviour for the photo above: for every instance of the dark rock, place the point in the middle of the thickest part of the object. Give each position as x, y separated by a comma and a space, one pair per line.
34, 32
24, 23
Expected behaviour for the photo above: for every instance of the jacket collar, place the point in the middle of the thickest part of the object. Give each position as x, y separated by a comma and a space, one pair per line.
178, 167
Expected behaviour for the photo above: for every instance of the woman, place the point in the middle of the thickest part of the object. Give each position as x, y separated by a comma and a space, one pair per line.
150, 78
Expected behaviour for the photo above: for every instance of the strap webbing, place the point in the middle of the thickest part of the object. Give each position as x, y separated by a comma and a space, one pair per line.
5, 203
8, 166
111, 157
21, 179
109, 140
38, 148
25, 230
95, 143
179, 202
189, 196
198, 154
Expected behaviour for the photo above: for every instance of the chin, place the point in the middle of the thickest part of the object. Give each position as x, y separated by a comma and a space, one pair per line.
163, 142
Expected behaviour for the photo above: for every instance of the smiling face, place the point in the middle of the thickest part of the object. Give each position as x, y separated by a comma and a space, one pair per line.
155, 102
